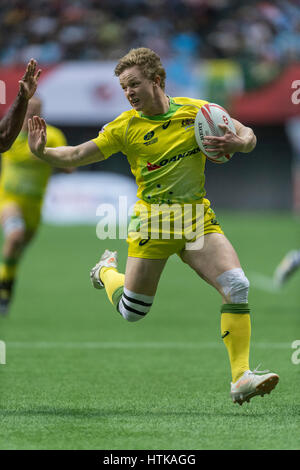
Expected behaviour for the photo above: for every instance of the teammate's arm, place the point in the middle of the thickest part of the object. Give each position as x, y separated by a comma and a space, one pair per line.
60, 157
12, 122
243, 141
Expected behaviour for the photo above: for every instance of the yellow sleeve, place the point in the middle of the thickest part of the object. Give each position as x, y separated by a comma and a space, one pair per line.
111, 138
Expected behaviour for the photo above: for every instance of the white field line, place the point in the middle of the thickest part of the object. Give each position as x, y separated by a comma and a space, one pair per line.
132, 345
262, 282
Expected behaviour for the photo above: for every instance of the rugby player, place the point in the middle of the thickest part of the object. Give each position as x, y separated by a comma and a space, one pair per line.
12, 122
23, 182
157, 136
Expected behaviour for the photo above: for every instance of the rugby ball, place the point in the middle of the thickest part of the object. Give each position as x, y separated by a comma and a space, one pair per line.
207, 123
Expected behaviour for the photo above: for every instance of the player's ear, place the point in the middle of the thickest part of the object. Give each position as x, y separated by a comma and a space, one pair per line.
157, 80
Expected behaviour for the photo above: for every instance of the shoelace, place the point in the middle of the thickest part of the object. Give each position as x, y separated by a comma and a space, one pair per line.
256, 371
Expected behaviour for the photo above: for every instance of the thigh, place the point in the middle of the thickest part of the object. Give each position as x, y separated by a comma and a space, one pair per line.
14, 206
215, 257
142, 275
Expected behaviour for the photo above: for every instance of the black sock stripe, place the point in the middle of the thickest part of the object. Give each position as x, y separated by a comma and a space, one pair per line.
134, 301
133, 310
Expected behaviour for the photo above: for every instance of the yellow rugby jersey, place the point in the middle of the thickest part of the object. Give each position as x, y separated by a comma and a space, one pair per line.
162, 151
24, 174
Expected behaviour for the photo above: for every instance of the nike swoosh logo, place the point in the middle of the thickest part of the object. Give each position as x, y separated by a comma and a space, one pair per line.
225, 334
143, 242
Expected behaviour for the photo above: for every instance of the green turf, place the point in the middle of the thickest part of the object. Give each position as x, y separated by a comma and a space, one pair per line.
80, 377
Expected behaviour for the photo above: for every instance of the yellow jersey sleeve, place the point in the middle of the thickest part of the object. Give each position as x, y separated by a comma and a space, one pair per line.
112, 137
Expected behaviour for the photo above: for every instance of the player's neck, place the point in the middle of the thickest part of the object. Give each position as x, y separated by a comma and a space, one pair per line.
160, 105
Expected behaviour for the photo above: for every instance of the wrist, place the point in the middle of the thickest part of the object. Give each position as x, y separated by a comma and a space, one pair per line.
41, 154
22, 97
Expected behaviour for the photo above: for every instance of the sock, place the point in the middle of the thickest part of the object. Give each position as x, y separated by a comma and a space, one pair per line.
236, 332
8, 269
114, 284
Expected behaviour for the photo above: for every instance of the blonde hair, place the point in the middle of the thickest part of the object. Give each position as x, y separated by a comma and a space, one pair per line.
148, 61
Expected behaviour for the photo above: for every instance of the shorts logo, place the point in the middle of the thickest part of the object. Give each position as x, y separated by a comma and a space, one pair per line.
143, 242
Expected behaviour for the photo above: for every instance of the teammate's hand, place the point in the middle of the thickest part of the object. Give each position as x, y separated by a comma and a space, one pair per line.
29, 81
37, 135
227, 143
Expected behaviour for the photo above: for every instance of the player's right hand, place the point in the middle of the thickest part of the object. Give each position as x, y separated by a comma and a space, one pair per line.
37, 135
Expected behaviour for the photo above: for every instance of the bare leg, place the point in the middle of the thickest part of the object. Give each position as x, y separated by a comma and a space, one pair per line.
142, 275
216, 257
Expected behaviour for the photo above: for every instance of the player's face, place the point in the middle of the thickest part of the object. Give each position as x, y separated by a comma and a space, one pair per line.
138, 90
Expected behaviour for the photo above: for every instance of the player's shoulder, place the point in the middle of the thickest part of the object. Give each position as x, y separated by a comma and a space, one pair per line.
123, 118
186, 101
119, 126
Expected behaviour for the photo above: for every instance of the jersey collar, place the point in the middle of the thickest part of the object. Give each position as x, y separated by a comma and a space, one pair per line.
162, 117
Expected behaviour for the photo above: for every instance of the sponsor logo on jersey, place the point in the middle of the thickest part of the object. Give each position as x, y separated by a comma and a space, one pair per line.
153, 141
152, 167
176, 158
148, 138
166, 124
149, 135
187, 122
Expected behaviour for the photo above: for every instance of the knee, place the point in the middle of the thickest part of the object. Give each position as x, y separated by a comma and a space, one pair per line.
14, 231
133, 307
16, 242
234, 285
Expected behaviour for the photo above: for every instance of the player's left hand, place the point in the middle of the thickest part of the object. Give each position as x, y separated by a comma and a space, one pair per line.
29, 81
37, 135
227, 143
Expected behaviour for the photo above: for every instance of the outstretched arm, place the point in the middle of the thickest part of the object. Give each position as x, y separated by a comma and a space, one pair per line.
60, 157
12, 122
243, 141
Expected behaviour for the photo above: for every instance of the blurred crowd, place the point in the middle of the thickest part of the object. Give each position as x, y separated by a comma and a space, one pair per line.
58, 30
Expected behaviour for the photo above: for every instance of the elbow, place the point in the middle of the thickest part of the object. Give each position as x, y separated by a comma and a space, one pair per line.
5, 144
250, 142
254, 141
4, 148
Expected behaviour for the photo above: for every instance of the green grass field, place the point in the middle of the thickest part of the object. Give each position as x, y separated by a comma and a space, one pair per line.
80, 377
